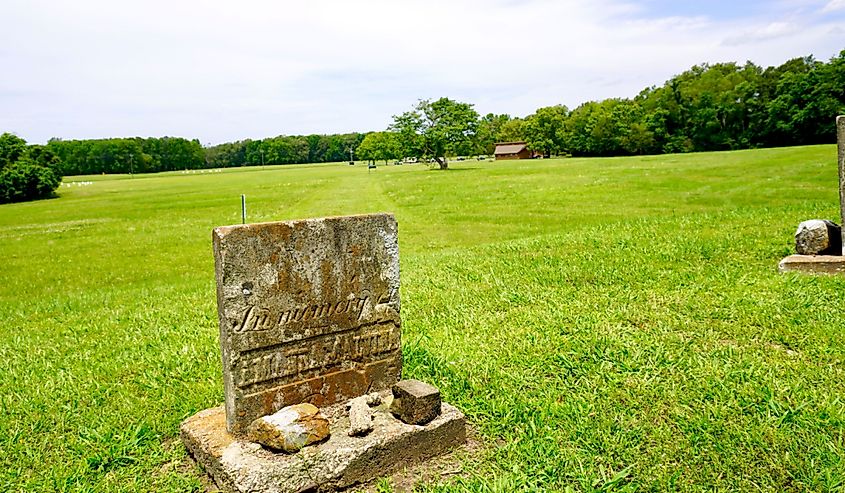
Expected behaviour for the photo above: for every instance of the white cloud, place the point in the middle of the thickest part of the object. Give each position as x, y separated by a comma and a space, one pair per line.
834, 6
763, 33
221, 71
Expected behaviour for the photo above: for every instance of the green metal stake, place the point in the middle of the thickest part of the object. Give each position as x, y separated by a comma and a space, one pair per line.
243, 209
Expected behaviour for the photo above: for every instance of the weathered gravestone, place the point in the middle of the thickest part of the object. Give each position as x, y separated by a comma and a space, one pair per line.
824, 264
309, 313
840, 137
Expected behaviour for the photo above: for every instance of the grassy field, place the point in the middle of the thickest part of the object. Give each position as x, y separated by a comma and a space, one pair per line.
606, 324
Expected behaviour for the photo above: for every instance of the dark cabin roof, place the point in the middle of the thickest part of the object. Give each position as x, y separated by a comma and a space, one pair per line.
509, 147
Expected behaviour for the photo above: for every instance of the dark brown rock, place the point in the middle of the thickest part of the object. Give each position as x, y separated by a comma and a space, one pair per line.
308, 312
415, 402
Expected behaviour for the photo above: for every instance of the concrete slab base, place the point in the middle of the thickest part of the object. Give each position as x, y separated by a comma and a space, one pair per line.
237, 465
813, 264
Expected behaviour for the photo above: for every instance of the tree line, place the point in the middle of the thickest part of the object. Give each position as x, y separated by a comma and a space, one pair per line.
151, 155
723, 106
709, 107
284, 149
127, 155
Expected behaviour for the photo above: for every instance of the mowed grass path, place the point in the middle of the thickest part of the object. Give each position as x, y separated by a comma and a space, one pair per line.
606, 324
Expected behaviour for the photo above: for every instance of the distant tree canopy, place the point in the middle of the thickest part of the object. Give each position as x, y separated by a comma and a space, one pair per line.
27, 172
130, 155
284, 149
151, 155
379, 146
715, 107
544, 131
492, 129
706, 108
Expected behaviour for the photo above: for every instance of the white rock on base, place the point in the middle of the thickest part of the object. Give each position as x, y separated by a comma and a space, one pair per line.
360, 417
817, 237
290, 429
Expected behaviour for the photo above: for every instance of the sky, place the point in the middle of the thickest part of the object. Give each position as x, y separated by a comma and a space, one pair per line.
221, 71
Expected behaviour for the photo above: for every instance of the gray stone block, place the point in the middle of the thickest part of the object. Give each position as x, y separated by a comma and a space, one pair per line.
415, 402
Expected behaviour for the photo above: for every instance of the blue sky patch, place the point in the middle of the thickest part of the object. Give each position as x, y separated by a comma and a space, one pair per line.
712, 9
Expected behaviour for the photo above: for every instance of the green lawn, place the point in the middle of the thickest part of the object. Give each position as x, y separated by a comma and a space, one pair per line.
606, 324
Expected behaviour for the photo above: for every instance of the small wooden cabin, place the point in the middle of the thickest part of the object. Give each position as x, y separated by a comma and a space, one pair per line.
512, 150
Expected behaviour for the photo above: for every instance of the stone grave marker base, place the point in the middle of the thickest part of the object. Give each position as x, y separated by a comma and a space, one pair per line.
813, 264
237, 465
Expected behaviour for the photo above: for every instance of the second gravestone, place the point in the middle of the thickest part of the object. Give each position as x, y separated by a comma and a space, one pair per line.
827, 256
309, 312
840, 137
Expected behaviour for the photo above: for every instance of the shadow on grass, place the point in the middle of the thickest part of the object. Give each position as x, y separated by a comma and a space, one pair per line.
52, 196
454, 169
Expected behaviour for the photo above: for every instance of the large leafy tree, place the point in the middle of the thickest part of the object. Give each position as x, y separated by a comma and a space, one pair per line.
12, 148
610, 128
806, 101
544, 130
378, 146
434, 128
511, 131
706, 108
26, 172
489, 132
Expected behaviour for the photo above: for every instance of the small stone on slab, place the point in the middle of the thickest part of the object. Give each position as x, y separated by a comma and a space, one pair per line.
415, 402
373, 399
360, 417
290, 429
813, 264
